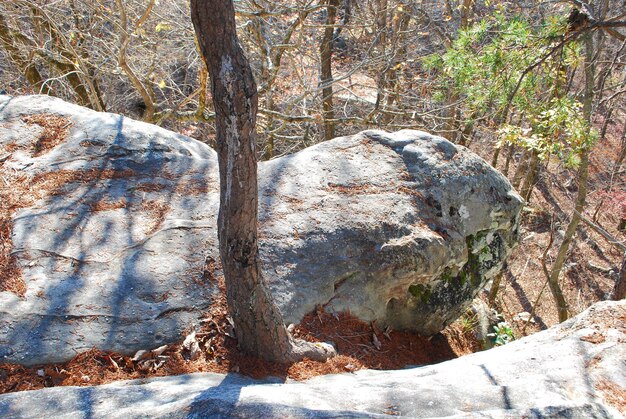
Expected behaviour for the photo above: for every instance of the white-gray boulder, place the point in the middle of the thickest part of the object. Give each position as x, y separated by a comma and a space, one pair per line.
120, 251
401, 228
113, 254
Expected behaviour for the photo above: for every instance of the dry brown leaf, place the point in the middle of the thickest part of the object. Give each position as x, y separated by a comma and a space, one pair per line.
144, 365
350, 367
376, 342
158, 364
387, 332
113, 363
159, 351
191, 348
229, 329
140, 355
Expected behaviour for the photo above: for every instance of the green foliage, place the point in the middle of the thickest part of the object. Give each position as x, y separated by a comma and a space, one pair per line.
432, 62
485, 62
468, 321
493, 66
558, 127
502, 334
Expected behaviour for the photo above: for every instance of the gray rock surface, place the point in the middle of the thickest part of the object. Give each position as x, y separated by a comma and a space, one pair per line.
115, 260
574, 370
400, 228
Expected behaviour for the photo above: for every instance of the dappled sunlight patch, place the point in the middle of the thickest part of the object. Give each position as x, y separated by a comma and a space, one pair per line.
55, 129
19, 190
15, 193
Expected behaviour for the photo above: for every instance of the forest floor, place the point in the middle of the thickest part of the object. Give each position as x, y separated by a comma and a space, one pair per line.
213, 349
589, 276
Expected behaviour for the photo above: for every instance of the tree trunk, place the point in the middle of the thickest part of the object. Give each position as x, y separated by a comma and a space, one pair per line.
452, 127
495, 287
531, 176
509, 157
326, 73
25, 66
466, 134
143, 89
617, 166
522, 166
583, 174
466, 13
619, 291
258, 323
71, 65
494, 159
605, 124
346, 14
390, 76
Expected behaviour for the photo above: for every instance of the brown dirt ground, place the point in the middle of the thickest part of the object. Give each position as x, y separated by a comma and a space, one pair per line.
356, 345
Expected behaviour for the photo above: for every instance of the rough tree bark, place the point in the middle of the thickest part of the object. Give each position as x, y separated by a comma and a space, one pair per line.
619, 290
146, 95
258, 323
326, 71
531, 176
452, 127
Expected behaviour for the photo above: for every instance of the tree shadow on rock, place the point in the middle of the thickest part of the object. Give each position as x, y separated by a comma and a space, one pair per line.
111, 253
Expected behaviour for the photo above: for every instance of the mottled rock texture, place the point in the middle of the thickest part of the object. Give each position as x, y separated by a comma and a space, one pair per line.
401, 228
119, 249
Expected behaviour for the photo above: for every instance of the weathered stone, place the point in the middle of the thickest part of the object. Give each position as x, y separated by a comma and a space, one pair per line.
113, 254
564, 372
400, 228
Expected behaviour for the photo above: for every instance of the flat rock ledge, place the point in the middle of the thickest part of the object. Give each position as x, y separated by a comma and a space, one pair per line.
116, 240
573, 370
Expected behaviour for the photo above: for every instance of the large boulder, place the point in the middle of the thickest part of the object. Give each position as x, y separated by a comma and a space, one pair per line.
114, 231
113, 245
401, 228
574, 370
